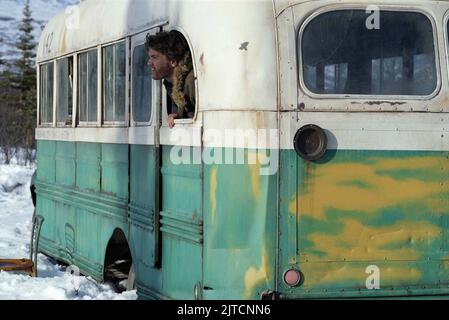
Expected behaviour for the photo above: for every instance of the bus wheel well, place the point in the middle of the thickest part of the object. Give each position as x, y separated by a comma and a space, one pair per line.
117, 261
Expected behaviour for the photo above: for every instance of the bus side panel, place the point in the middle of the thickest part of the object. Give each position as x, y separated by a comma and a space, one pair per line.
65, 227
88, 157
141, 216
363, 220
91, 243
87, 235
181, 225
240, 228
46, 160
65, 163
65, 166
114, 170
79, 219
45, 205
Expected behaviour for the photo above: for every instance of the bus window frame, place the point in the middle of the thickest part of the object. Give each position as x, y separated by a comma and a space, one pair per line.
446, 41
393, 8
60, 124
78, 122
136, 41
102, 109
185, 121
41, 124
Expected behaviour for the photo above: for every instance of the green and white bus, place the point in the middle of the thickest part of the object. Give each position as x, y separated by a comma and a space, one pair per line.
316, 165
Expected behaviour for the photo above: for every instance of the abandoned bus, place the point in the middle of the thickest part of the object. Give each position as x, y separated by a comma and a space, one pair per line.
315, 166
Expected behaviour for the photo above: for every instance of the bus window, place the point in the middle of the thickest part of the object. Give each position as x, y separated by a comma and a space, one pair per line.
87, 86
141, 86
65, 86
46, 93
341, 55
114, 89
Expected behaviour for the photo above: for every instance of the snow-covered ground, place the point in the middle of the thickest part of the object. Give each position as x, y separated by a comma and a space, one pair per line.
53, 282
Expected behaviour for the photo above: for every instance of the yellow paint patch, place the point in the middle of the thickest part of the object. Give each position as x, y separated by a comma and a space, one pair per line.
213, 194
333, 273
359, 187
357, 242
255, 276
410, 163
255, 171
62, 41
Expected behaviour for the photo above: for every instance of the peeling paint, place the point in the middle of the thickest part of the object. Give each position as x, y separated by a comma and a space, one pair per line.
372, 103
358, 242
255, 276
62, 41
331, 274
254, 170
380, 208
328, 187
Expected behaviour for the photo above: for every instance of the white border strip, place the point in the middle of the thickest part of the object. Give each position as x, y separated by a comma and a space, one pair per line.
348, 131
141, 135
97, 135
372, 131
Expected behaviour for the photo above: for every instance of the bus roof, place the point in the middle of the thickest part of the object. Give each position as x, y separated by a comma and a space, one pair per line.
100, 21
232, 42
94, 22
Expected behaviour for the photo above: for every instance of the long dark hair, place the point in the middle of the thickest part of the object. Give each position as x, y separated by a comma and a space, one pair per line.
172, 44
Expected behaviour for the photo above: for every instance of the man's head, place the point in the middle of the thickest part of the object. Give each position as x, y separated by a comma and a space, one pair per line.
165, 50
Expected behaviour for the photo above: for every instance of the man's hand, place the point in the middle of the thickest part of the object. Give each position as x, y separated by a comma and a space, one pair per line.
171, 120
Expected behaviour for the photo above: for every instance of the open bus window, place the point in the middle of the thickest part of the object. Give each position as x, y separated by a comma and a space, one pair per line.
46, 93
114, 89
141, 86
64, 89
87, 86
340, 55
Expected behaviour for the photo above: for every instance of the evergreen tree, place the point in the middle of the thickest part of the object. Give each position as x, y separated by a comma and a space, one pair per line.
1, 60
26, 81
26, 45
10, 117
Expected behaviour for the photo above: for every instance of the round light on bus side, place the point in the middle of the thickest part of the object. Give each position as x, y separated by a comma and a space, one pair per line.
310, 142
292, 277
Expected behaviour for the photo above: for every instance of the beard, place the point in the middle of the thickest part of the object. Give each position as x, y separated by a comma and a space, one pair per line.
161, 73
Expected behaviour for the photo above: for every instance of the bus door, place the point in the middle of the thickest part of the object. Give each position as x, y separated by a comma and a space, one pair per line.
362, 188
144, 168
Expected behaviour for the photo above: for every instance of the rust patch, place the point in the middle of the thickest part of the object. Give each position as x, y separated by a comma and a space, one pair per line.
372, 103
18, 265
202, 65
440, 104
260, 121
62, 42
306, 184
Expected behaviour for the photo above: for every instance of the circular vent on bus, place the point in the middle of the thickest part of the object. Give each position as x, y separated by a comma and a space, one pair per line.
310, 142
